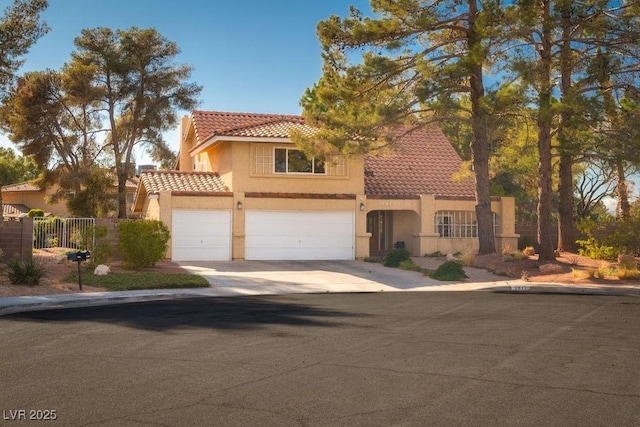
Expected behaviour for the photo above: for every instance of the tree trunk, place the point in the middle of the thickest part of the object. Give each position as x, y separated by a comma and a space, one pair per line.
566, 238
545, 116
479, 145
624, 208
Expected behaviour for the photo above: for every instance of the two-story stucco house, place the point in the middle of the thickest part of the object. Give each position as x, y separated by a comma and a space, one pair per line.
242, 190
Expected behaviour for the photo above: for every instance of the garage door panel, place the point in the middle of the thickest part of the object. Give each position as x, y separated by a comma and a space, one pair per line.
287, 235
201, 235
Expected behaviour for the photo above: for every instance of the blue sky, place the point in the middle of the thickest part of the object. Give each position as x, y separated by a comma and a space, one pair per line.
253, 56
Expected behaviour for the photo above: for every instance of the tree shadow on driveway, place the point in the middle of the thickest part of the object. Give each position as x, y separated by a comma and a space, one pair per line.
226, 313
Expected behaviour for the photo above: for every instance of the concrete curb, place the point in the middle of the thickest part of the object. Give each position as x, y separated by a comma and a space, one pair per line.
12, 305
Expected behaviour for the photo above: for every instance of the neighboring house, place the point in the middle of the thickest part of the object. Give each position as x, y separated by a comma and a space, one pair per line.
16, 198
242, 190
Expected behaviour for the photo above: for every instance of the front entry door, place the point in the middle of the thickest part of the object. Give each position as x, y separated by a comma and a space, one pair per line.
377, 225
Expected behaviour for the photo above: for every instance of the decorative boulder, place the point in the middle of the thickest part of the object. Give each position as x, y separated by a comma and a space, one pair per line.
102, 270
551, 268
626, 259
450, 257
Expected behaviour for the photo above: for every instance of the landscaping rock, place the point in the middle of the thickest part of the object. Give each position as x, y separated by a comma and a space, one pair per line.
101, 270
550, 268
626, 259
451, 257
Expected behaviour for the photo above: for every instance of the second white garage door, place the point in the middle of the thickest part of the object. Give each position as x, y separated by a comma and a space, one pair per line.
286, 235
200, 235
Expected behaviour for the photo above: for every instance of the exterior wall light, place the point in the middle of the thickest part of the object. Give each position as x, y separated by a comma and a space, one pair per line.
362, 207
154, 196
239, 206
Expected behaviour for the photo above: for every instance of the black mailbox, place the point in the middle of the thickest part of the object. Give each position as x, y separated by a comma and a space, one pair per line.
79, 256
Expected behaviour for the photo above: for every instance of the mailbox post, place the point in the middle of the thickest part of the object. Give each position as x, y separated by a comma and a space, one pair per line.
78, 257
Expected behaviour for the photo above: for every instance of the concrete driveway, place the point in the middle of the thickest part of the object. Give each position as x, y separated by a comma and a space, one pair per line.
278, 277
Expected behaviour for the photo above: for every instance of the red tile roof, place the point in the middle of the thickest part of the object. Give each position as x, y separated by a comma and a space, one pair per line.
208, 124
22, 186
422, 162
155, 181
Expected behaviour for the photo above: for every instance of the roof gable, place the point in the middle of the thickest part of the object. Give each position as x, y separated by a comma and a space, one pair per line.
208, 124
422, 162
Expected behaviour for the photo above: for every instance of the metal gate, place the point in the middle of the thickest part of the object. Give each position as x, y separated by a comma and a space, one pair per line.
64, 233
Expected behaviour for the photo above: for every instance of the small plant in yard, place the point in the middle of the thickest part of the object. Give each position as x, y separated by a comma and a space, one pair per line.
28, 272
142, 243
395, 257
624, 273
529, 251
577, 273
408, 264
513, 256
374, 259
468, 259
435, 254
605, 270
449, 271
524, 275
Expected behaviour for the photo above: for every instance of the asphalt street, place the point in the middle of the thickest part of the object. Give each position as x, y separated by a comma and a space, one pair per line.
374, 359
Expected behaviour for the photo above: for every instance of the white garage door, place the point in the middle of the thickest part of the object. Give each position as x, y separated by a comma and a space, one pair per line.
200, 235
286, 235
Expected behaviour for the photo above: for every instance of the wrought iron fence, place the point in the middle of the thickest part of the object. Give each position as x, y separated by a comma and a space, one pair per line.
63, 233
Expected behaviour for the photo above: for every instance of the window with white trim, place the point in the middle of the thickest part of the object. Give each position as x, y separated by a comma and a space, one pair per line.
459, 224
291, 160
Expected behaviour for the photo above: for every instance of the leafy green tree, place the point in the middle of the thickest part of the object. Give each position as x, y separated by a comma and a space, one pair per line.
96, 197
50, 117
421, 61
139, 87
20, 27
14, 169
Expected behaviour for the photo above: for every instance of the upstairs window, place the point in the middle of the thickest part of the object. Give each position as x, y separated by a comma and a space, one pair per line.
291, 160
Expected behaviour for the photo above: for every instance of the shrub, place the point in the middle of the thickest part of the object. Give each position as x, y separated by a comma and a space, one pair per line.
624, 273
529, 251
468, 259
395, 257
142, 243
28, 272
373, 259
610, 237
435, 254
408, 264
35, 212
449, 270
102, 249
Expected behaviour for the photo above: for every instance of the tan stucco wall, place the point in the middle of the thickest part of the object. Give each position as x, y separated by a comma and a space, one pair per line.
35, 200
233, 161
418, 232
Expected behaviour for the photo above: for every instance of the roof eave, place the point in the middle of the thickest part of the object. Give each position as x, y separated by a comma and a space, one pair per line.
222, 138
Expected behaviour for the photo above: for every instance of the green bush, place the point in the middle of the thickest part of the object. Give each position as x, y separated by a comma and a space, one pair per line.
142, 243
102, 248
28, 272
449, 270
408, 264
395, 257
609, 237
35, 212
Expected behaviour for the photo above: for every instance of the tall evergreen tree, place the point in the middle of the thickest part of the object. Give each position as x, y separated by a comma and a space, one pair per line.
419, 60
